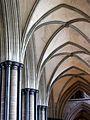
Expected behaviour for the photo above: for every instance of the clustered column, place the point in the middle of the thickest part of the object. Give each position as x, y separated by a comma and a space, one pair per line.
29, 104
14, 103
42, 112
10, 90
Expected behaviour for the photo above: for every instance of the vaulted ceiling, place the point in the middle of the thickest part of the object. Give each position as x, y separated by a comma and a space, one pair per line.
60, 33
55, 45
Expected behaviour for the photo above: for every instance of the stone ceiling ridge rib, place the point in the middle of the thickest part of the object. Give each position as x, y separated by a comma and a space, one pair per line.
66, 24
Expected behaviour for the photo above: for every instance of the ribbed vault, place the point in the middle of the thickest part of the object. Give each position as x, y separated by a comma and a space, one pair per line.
52, 39
61, 44
55, 48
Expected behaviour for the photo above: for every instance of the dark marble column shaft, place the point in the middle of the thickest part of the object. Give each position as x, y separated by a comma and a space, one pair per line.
29, 104
19, 91
10, 90
42, 112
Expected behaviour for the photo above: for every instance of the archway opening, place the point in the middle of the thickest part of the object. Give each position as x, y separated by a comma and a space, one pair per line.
76, 96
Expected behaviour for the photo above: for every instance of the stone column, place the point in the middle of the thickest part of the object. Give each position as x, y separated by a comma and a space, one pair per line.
19, 91
42, 112
29, 105
10, 90
37, 102
25, 104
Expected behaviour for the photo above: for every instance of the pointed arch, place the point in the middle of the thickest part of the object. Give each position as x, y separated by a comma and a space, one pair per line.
79, 85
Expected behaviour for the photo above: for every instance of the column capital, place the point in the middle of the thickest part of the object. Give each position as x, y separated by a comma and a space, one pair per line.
30, 90
42, 107
13, 64
25, 90
33, 91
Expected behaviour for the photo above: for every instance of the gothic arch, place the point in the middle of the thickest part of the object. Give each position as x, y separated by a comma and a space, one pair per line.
79, 85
